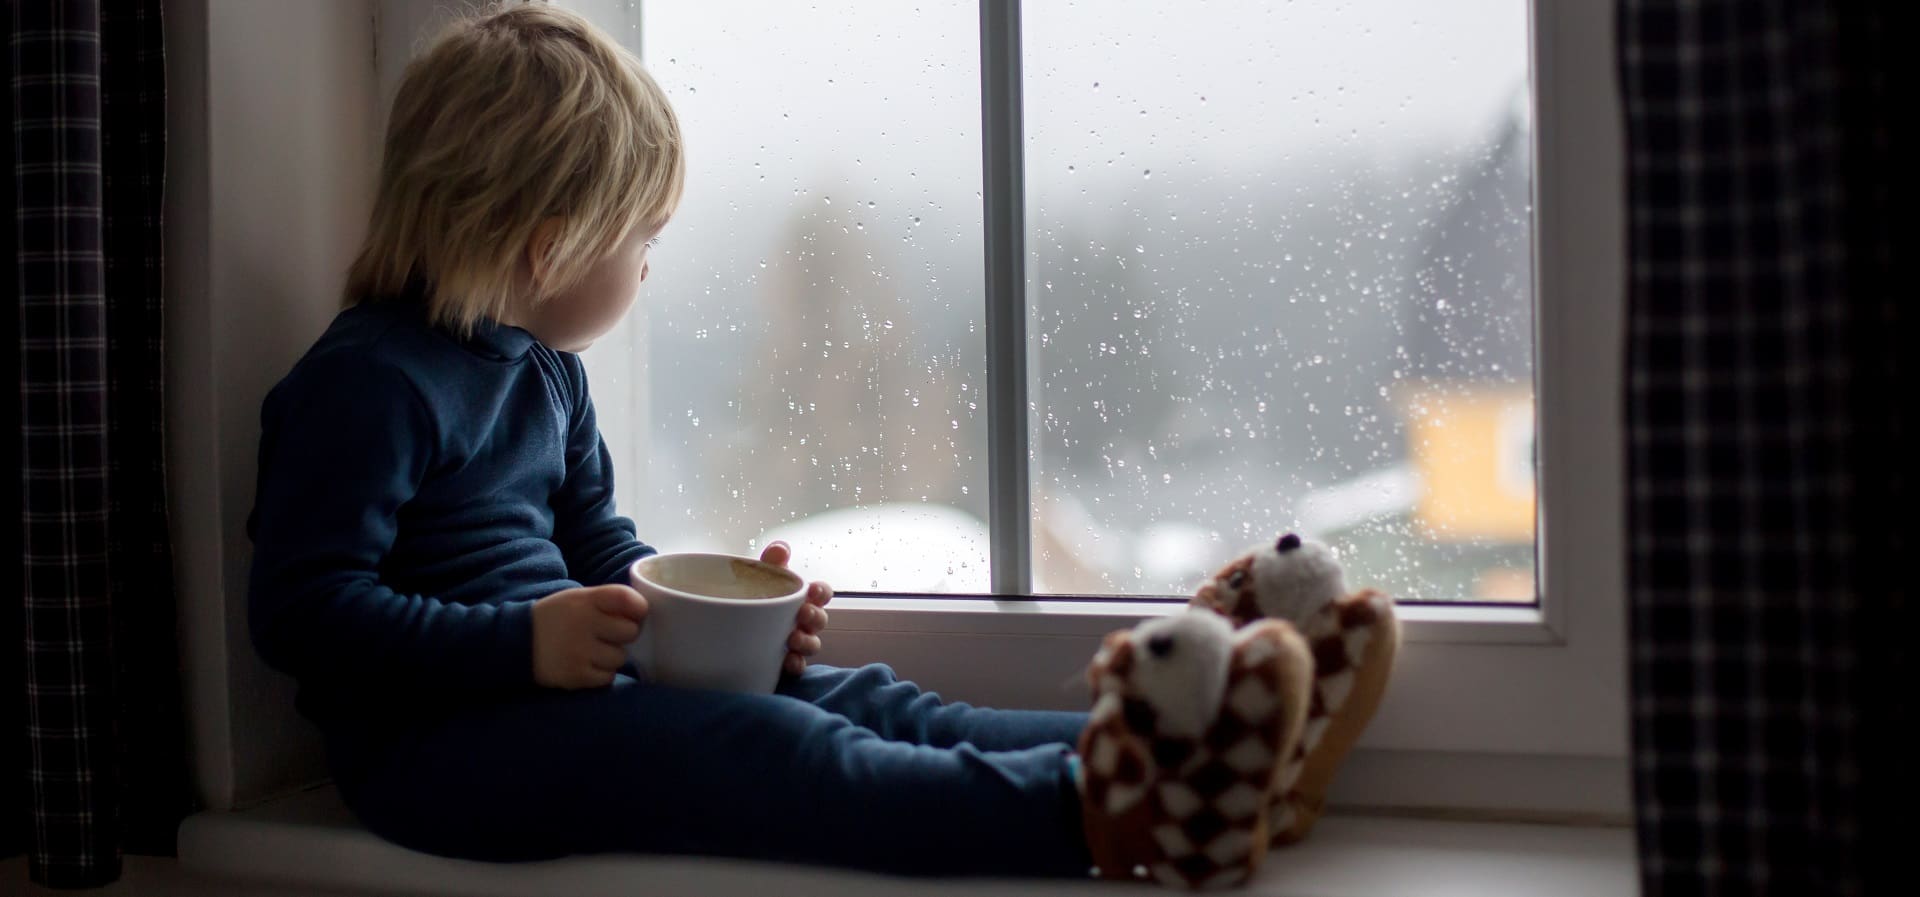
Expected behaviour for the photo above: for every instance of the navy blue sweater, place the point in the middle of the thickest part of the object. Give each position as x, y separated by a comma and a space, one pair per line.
417, 493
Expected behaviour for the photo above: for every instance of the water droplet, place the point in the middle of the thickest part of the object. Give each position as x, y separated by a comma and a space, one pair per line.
1148, 174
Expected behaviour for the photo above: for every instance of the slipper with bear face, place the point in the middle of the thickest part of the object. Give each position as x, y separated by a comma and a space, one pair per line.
1192, 726
1353, 636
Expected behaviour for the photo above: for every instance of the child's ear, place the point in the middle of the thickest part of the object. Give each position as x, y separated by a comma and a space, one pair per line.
540, 246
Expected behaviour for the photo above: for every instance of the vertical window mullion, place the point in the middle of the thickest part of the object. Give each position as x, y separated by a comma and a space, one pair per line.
1004, 197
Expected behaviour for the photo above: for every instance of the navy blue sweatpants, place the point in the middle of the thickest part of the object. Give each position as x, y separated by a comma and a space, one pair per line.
847, 767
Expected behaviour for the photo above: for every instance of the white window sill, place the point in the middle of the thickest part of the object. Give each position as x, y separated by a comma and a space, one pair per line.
1089, 618
309, 841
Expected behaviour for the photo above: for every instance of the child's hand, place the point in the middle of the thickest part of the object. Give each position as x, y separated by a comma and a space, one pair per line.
807, 625
578, 634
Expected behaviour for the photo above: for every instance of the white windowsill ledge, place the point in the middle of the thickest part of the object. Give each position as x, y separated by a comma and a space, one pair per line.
309, 840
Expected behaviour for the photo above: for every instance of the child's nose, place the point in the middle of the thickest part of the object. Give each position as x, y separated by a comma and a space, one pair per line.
644, 268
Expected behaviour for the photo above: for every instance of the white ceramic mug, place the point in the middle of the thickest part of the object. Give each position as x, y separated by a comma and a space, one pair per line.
714, 621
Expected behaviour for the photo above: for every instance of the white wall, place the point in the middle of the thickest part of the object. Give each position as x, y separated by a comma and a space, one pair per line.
273, 146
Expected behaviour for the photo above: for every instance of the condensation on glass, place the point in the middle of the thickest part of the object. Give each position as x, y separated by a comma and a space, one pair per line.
1279, 280
806, 359
1280, 268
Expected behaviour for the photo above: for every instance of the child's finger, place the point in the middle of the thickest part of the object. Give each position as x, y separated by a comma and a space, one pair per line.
803, 643
606, 658
819, 593
620, 601
777, 554
616, 630
795, 664
810, 619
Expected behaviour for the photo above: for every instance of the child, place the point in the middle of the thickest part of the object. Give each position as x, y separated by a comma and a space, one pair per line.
439, 563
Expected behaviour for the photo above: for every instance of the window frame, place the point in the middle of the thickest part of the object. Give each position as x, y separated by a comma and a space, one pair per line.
1546, 681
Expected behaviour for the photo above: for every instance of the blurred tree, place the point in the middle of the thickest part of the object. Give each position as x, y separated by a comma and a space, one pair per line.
854, 403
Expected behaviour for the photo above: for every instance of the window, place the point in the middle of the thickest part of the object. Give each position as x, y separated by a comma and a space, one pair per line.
1270, 284
807, 359
1434, 191
1279, 262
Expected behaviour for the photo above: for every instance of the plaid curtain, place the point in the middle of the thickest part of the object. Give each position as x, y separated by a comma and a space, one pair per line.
104, 768
1770, 449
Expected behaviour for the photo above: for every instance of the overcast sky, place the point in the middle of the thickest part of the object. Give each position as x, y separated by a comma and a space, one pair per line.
811, 111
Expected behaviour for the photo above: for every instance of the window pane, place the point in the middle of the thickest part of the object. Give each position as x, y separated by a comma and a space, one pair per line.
806, 359
1281, 280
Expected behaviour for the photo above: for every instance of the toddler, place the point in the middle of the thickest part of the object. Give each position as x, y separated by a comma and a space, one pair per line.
439, 562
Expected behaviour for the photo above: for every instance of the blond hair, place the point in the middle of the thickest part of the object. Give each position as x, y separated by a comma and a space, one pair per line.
512, 118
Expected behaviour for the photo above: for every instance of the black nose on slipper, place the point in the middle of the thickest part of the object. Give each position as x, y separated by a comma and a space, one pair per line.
1160, 645
1287, 543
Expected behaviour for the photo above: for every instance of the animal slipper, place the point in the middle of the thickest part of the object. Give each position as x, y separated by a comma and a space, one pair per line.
1354, 637
1192, 726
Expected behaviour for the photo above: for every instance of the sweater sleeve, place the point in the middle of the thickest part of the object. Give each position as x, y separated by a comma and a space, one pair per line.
598, 543
345, 442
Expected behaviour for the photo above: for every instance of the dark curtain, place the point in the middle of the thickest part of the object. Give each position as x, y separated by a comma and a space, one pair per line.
1770, 447
101, 762
13, 705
